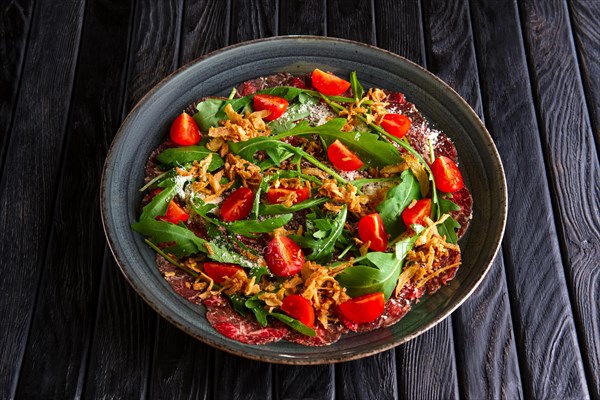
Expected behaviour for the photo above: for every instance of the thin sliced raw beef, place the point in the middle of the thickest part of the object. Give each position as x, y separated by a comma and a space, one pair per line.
324, 336
180, 281
229, 323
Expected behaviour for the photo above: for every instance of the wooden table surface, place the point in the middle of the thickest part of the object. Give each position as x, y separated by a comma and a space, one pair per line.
72, 327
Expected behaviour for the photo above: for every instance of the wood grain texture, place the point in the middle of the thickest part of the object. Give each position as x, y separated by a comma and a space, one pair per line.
205, 28
15, 18
253, 19
487, 360
369, 378
304, 382
121, 354
400, 29
181, 365
586, 31
426, 365
550, 361
351, 19
571, 157
32, 180
299, 17
235, 378
66, 304
122, 344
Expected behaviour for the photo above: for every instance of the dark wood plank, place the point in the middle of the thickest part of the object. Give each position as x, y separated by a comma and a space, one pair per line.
550, 361
351, 19
427, 368
300, 17
66, 305
30, 176
487, 360
572, 163
183, 366
368, 378
406, 18
205, 28
14, 32
125, 326
400, 29
304, 382
253, 19
240, 378
586, 30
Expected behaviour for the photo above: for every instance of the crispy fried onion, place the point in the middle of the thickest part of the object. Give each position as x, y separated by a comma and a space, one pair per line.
239, 129
423, 261
345, 194
249, 173
275, 299
207, 185
239, 283
322, 290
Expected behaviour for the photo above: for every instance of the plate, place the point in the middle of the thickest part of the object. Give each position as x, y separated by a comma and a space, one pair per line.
215, 74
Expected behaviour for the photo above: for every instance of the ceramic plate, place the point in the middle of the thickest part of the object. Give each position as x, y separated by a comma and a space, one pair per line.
215, 74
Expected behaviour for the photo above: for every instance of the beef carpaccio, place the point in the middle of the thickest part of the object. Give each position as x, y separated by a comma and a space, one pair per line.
301, 208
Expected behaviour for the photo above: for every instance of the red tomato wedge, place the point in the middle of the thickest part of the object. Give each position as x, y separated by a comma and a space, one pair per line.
184, 130
275, 104
365, 308
328, 84
284, 257
174, 214
238, 205
342, 158
300, 308
417, 213
279, 195
396, 124
370, 229
447, 175
218, 272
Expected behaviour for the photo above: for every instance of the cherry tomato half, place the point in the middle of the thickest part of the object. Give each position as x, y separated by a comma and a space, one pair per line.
447, 175
278, 195
342, 158
365, 308
218, 272
396, 124
174, 214
328, 84
417, 213
275, 104
284, 257
184, 130
300, 308
238, 205
370, 229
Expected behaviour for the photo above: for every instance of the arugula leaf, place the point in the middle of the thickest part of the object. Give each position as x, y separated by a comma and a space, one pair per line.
379, 274
256, 306
238, 303
185, 242
294, 324
449, 227
206, 116
182, 155
396, 200
270, 209
250, 227
295, 112
371, 150
357, 88
323, 244
158, 205
258, 273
